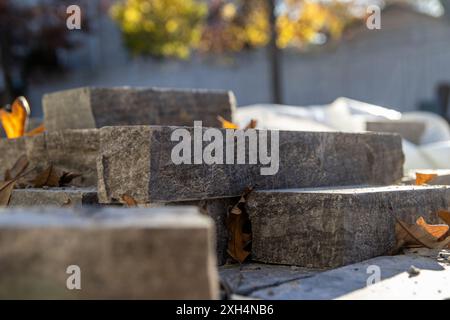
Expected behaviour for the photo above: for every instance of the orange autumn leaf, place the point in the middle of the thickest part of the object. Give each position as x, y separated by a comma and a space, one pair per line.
252, 124
445, 216
14, 122
35, 131
421, 234
129, 201
437, 231
227, 124
422, 237
423, 178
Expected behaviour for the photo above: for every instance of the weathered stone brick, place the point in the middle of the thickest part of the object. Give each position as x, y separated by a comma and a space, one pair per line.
137, 161
98, 107
161, 253
331, 227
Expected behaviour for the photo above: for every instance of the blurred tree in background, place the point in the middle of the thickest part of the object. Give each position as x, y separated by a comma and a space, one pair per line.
30, 35
160, 27
172, 28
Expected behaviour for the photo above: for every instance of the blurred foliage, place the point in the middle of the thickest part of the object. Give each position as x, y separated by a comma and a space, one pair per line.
31, 33
303, 23
174, 27
160, 27
235, 25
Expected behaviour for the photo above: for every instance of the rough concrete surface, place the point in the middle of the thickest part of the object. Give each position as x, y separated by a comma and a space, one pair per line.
71, 150
331, 227
53, 197
409, 130
160, 253
86, 107
137, 161
351, 282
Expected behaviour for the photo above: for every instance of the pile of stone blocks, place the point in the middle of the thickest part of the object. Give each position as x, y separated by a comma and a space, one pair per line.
330, 198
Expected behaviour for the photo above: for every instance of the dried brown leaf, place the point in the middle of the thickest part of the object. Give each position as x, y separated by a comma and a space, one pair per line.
50, 177
18, 168
238, 240
252, 124
445, 216
436, 231
422, 237
424, 178
129, 201
6, 189
67, 178
239, 237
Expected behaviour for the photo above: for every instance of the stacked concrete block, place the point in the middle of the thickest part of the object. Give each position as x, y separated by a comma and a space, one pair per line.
54, 197
71, 150
98, 107
164, 253
409, 130
331, 227
138, 161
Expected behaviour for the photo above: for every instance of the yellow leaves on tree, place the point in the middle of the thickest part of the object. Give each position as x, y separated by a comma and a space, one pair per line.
160, 27
14, 121
174, 27
307, 22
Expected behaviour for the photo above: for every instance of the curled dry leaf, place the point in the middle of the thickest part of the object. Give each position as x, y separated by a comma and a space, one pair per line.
227, 124
38, 130
445, 216
417, 235
230, 125
18, 168
53, 177
6, 189
436, 231
129, 201
239, 233
14, 121
251, 125
424, 178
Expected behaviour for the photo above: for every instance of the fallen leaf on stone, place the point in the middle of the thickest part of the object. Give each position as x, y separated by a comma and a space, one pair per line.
48, 178
239, 234
14, 121
445, 216
67, 178
227, 124
416, 235
6, 189
424, 178
129, 201
35, 131
230, 125
18, 168
53, 177
437, 231
251, 125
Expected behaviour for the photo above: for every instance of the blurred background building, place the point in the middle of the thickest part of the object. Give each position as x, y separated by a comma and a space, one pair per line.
323, 51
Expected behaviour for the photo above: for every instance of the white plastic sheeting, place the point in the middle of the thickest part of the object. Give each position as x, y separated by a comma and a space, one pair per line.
350, 116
